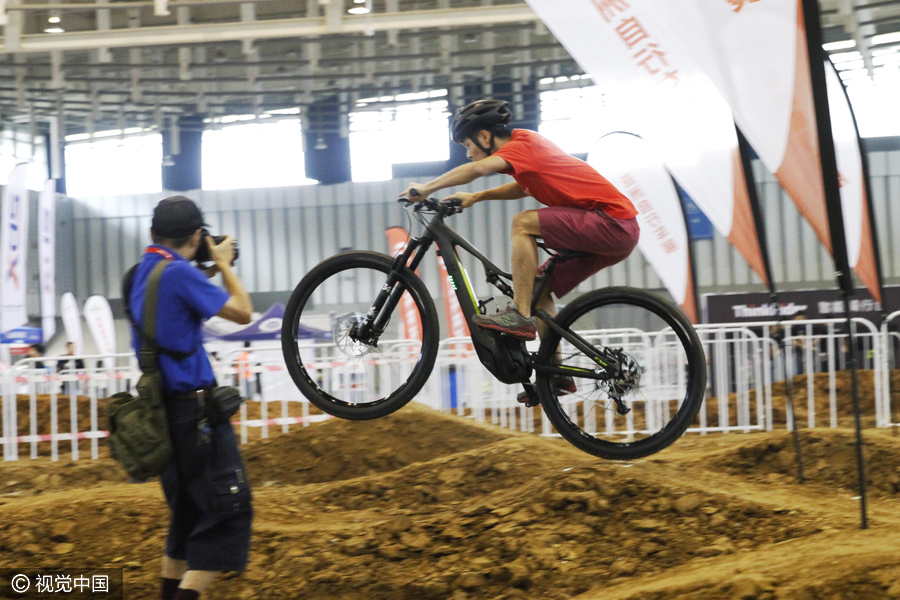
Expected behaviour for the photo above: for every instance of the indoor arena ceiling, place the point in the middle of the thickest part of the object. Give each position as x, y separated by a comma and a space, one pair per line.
107, 64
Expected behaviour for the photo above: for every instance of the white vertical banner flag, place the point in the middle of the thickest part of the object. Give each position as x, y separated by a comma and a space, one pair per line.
47, 257
14, 250
72, 322
653, 87
630, 164
854, 205
100, 322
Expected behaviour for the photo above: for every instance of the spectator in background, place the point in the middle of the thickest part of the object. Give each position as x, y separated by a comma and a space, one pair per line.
69, 364
798, 333
36, 351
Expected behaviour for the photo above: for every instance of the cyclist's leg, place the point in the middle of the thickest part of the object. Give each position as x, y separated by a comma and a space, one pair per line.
526, 226
545, 303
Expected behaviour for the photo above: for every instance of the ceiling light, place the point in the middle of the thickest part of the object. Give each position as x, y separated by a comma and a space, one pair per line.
839, 57
320, 144
886, 59
53, 18
850, 65
358, 10
54, 30
884, 51
842, 45
886, 38
359, 1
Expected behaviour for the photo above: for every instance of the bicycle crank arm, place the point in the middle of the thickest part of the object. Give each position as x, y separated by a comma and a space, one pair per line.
571, 337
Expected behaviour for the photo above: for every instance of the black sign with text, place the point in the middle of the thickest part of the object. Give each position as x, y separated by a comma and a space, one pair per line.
811, 304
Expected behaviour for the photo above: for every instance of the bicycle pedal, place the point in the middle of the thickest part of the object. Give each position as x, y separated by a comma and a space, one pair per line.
531, 398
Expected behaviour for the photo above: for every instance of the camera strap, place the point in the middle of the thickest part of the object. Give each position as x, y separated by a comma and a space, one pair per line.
147, 337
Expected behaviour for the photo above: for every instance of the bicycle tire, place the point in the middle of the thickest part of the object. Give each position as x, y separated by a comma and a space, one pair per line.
695, 375
295, 365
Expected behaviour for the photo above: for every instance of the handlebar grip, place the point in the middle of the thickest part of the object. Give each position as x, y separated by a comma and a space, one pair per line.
414, 193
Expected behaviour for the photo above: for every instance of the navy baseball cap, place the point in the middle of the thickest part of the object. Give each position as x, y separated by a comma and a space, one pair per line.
176, 217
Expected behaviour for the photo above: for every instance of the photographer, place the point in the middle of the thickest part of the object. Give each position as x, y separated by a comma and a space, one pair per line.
209, 532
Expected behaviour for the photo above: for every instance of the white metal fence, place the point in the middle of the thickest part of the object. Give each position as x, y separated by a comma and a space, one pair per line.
745, 364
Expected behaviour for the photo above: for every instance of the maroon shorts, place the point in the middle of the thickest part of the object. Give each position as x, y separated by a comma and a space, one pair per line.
608, 239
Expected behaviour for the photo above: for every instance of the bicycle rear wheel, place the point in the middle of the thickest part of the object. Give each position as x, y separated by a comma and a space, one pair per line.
660, 374
346, 377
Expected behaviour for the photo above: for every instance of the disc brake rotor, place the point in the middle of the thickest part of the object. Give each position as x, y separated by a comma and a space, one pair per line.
626, 376
346, 344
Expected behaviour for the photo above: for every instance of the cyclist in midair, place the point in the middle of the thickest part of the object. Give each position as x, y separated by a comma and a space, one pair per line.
584, 213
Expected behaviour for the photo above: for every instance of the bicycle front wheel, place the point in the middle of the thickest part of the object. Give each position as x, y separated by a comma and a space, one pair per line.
341, 375
657, 374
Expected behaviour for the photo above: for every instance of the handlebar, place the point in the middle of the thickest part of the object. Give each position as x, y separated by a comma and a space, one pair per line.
444, 208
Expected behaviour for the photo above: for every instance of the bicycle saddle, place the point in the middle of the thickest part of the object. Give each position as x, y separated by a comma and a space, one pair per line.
561, 254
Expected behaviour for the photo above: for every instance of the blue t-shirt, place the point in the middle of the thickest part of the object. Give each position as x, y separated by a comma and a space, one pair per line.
186, 300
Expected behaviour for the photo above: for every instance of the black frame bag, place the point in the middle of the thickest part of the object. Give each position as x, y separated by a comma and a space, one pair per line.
138, 429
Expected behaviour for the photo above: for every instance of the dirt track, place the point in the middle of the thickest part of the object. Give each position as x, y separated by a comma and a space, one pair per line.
427, 506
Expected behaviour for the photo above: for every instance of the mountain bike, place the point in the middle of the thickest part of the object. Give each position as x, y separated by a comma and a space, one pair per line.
638, 364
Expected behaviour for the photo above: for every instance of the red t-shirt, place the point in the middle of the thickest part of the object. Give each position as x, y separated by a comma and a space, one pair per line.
554, 178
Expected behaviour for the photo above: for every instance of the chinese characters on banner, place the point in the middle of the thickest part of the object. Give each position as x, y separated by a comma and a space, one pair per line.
647, 53
630, 164
655, 223
739, 4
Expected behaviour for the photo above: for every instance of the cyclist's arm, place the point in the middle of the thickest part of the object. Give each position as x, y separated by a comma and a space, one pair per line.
464, 174
509, 191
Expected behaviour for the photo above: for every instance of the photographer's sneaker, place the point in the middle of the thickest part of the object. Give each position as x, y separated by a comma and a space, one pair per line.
509, 321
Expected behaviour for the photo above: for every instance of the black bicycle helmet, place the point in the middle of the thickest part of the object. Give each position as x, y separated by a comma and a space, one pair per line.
481, 114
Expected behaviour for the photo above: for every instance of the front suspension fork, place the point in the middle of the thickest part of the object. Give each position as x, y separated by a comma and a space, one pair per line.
377, 317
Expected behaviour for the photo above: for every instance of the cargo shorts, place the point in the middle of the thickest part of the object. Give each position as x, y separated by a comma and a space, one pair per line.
208, 493
608, 239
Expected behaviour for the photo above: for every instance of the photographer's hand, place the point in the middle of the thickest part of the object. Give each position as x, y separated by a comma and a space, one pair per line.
221, 253
239, 307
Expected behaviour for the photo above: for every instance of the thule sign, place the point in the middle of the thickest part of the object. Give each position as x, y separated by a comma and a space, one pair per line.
810, 304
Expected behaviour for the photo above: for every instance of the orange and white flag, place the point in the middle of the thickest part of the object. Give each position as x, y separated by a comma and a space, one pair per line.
397, 238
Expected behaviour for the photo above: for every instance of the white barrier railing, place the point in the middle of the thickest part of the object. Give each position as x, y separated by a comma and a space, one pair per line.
744, 361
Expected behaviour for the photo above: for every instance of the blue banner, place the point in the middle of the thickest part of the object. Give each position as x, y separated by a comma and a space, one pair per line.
698, 224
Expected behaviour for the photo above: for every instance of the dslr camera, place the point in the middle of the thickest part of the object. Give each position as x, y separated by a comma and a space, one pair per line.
204, 260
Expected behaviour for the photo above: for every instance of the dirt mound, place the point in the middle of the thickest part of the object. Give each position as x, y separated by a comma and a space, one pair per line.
829, 458
339, 449
548, 536
27, 477
420, 486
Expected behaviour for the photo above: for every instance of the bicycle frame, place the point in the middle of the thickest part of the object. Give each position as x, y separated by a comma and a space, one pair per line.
447, 241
